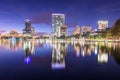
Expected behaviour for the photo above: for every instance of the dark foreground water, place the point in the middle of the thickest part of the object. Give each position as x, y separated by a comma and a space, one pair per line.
37, 60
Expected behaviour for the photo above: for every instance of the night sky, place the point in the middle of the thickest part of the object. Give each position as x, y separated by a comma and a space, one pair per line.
77, 12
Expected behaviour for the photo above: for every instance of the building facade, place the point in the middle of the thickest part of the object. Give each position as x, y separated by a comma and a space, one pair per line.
102, 25
29, 30
86, 29
76, 31
63, 30
57, 21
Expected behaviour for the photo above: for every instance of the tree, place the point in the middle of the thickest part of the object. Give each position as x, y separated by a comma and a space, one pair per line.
116, 53
116, 29
106, 34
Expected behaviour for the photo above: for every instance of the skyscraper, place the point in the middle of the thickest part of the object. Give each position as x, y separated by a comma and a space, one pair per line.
29, 30
57, 21
102, 25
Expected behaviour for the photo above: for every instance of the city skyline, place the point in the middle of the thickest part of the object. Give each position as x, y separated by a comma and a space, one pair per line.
79, 12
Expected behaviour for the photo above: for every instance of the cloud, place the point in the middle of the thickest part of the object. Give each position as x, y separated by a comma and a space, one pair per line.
41, 18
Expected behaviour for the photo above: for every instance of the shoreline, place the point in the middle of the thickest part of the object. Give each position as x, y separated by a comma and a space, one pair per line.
66, 40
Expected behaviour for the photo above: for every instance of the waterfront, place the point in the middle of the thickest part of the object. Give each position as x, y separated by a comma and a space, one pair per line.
44, 59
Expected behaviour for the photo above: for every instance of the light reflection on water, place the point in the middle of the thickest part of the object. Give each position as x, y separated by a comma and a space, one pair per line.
62, 55
76, 56
101, 49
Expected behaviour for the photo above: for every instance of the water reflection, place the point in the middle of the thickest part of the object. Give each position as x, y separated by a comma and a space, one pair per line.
12, 44
77, 49
101, 50
28, 47
115, 51
58, 55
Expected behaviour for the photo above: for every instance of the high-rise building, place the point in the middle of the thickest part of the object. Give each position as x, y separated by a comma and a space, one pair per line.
102, 25
57, 21
29, 30
76, 31
63, 30
86, 29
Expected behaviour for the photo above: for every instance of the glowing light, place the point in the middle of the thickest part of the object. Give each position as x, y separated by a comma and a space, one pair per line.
103, 58
58, 65
13, 42
77, 54
96, 51
27, 60
83, 53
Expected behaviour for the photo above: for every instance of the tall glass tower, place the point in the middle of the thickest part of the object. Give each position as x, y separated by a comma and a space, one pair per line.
57, 21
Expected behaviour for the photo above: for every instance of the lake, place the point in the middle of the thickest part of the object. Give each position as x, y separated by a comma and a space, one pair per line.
59, 60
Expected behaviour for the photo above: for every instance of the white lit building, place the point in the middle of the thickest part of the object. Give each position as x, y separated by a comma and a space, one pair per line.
102, 25
57, 21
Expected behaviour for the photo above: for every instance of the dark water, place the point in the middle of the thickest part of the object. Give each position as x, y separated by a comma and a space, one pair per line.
40, 60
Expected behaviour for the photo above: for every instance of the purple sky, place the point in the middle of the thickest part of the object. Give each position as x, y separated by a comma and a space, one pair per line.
78, 12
